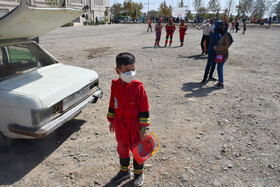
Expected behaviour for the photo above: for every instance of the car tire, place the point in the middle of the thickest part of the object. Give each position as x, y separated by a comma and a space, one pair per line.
4, 143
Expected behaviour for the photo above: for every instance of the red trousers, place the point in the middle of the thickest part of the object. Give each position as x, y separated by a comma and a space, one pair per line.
167, 36
182, 36
127, 135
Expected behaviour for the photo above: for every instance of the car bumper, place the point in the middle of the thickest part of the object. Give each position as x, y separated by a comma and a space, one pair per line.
42, 131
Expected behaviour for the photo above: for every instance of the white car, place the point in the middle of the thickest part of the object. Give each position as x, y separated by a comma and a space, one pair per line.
37, 93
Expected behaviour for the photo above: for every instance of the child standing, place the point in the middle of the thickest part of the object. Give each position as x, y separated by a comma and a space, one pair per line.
182, 31
149, 25
158, 29
170, 28
128, 115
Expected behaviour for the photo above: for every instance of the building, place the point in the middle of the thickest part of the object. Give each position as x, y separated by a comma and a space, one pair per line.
97, 8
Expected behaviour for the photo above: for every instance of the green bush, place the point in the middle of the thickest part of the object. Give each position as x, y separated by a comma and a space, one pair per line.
90, 22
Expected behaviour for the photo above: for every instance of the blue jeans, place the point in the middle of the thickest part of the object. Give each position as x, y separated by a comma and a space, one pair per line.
220, 68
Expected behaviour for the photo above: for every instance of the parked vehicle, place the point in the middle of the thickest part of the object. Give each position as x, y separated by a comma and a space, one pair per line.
37, 93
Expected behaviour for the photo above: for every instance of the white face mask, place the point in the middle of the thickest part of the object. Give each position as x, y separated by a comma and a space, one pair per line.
128, 76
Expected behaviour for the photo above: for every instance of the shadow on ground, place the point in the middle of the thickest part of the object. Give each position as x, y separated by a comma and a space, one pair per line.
24, 155
126, 184
195, 57
196, 89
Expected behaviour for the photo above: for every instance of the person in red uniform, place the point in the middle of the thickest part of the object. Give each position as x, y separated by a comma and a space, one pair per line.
182, 29
158, 29
170, 28
128, 115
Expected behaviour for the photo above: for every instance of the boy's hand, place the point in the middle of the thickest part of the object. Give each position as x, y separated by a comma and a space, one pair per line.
111, 127
143, 135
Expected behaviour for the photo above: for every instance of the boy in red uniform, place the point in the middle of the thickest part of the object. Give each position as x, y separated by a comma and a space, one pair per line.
158, 29
128, 115
170, 28
182, 30
149, 25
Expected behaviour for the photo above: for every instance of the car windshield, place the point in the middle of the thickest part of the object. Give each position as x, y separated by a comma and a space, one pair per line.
22, 58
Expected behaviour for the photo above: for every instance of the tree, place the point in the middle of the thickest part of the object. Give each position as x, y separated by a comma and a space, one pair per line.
137, 7
116, 10
214, 6
128, 7
189, 15
277, 9
245, 7
181, 3
154, 13
197, 5
202, 12
259, 9
165, 10
229, 7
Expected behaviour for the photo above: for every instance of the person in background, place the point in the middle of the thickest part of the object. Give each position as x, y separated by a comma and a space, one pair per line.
205, 36
232, 26
96, 21
158, 29
149, 25
170, 28
244, 25
236, 25
182, 30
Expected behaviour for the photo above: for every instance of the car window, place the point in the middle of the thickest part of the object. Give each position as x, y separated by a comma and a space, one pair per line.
20, 54
23, 58
16, 60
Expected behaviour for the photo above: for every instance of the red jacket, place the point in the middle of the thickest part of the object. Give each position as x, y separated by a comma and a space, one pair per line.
170, 28
158, 27
183, 28
129, 101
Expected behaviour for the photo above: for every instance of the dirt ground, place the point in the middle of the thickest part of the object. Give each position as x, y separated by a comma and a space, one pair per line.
209, 137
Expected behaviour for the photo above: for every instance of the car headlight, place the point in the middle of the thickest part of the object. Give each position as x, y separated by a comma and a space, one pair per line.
43, 115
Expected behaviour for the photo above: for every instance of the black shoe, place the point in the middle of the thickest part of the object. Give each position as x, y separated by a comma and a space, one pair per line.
165, 45
202, 53
138, 179
121, 176
219, 85
212, 79
203, 81
169, 45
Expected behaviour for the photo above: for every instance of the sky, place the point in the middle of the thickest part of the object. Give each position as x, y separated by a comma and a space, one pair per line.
154, 4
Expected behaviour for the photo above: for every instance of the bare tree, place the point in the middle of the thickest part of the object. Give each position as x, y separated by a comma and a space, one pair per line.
259, 8
245, 7
197, 4
214, 6
181, 3
277, 9
229, 7
271, 7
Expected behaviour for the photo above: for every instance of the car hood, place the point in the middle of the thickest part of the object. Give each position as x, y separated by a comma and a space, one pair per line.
49, 84
26, 22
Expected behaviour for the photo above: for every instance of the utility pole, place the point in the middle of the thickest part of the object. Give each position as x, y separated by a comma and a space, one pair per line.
148, 9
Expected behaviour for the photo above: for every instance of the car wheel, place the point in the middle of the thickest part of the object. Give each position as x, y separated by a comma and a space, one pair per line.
4, 143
